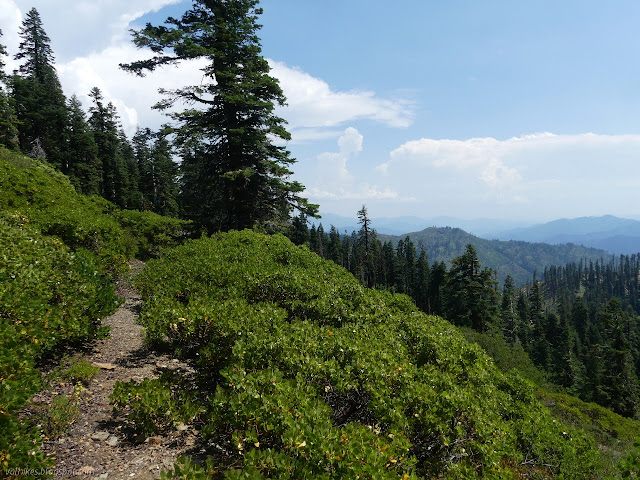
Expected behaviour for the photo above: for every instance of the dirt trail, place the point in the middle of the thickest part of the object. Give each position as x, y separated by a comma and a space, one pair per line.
98, 444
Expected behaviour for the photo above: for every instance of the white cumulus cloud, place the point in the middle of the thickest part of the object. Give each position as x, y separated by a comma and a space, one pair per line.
575, 174
133, 96
334, 181
312, 102
77, 27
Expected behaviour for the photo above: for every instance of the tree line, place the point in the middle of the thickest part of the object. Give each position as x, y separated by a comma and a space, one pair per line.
466, 291
578, 323
91, 147
231, 173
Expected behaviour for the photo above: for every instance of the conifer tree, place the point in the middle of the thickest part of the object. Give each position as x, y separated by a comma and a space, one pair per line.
165, 179
366, 242
8, 122
437, 281
103, 122
540, 353
508, 310
335, 246
421, 286
389, 264
471, 298
299, 229
3, 53
524, 325
620, 384
40, 103
234, 175
83, 165
580, 318
129, 182
142, 145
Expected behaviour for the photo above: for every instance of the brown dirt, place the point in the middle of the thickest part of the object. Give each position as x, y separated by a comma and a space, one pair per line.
83, 452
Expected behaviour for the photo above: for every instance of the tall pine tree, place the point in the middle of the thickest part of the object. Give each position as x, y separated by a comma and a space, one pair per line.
470, 294
165, 179
39, 101
234, 174
103, 123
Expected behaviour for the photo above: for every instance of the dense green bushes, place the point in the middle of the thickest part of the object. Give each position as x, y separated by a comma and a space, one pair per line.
49, 298
318, 377
152, 232
34, 194
55, 249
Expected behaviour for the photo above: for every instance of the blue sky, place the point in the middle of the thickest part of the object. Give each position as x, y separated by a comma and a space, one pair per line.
498, 109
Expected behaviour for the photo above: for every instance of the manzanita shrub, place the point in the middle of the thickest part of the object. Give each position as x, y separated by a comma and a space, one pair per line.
50, 297
34, 194
310, 375
152, 232
57, 251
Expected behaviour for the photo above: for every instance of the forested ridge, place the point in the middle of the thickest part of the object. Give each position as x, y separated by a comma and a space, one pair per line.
316, 355
578, 322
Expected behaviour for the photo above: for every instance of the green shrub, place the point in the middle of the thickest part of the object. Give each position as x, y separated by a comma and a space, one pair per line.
152, 232
74, 371
57, 250
34, 194
507, 357
55, 419
37, 196
50, 298
313, 376
185, 469
155, 406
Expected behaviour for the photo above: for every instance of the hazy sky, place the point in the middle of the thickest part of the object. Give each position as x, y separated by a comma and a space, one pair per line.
501, 109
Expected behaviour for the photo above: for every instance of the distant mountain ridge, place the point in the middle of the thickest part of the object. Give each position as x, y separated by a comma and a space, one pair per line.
407, 223
613, 234
516, 258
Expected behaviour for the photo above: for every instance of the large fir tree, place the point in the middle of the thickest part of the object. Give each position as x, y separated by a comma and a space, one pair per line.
39, 101
165, 178
470, 294
103, 123
234, 174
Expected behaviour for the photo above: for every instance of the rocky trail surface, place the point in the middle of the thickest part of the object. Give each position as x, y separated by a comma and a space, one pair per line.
100, 444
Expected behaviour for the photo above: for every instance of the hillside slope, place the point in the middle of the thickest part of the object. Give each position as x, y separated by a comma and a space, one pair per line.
300, 370
58, 252
516, 258
311, 375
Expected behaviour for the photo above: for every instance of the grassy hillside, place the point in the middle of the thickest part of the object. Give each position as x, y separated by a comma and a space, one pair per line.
518, 259
306, 374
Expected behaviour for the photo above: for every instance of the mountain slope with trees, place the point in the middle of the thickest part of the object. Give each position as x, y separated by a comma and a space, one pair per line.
522, 260
305, 301
299, 369
342, 380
